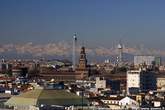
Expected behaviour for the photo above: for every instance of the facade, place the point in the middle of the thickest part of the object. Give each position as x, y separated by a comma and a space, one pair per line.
140, 81
100, 83
112, 102
143, 59
19, 71
114, 85
133, 81
162, 68
128, 103
160, 83
148, 81
121, 77
158, 61
119, 102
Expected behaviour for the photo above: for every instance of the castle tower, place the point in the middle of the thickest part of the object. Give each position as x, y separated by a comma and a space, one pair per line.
82, 61
82, 66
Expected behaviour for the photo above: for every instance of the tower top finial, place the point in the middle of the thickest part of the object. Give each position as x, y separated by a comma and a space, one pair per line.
119, 46
75, 36
82, 50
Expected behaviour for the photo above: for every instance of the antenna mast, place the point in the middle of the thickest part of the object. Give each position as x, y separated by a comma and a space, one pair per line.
74, 51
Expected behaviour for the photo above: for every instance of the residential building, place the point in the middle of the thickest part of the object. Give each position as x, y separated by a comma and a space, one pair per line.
133, 81
140, 81
128, 103
160, 82
112, 102
100, 83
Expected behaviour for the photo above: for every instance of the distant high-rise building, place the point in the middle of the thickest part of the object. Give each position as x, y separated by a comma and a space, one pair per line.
158, 61
147, 60
120, 56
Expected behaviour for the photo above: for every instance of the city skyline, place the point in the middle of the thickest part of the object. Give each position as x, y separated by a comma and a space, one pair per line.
64, 50
82, 54
97, 23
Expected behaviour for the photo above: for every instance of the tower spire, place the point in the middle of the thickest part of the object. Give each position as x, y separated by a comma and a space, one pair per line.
82, 60
120, 49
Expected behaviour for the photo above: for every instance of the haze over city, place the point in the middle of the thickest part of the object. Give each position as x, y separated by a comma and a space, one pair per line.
97, 23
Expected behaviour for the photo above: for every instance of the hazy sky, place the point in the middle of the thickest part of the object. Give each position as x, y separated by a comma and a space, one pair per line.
97, 22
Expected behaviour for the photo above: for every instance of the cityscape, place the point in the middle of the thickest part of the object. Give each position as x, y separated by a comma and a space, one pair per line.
82, 55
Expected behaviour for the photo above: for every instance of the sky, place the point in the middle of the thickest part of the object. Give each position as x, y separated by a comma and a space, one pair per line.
96, 22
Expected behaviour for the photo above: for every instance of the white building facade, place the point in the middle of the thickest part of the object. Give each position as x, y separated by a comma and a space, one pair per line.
100, 83
128, 103
140, 80
133, 80
160, 83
